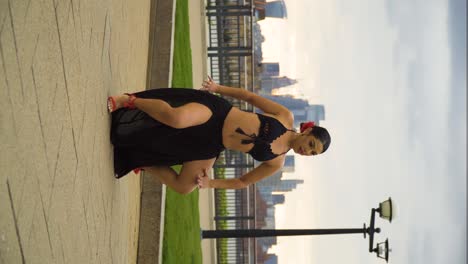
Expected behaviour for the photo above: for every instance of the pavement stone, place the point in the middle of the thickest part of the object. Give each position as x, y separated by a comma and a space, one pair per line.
59, 200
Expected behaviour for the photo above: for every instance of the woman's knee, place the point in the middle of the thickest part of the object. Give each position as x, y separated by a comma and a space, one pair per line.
189, 115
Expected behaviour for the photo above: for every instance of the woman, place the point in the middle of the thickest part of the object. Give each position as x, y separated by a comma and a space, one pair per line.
156, 129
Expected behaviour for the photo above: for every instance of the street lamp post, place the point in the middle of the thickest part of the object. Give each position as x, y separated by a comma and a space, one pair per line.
386, 211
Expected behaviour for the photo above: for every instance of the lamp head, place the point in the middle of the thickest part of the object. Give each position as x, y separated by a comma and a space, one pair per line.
387, 210
383, 250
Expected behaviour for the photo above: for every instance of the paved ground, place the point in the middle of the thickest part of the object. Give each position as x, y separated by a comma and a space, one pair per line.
59, 201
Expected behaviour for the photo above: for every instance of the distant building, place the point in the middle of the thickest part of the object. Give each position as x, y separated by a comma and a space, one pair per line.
270, 69
276, 9
302, 110
265, 211
274, 183
288, 164
288, 101
272, 259
313, 113
268, 83
278, 199
273, 9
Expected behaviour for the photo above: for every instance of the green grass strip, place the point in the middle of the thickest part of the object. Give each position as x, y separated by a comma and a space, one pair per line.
182, 242
182, 60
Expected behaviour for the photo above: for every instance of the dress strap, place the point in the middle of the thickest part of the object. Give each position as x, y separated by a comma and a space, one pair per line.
284, 152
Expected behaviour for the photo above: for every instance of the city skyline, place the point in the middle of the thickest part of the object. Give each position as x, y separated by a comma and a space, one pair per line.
271, 192
392, 75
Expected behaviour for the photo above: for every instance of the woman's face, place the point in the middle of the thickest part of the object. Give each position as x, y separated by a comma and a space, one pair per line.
307, 145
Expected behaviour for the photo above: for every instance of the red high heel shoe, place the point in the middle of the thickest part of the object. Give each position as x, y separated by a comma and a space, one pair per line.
112, 104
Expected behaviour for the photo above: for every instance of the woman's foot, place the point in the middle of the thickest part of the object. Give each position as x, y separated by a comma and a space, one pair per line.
119, 101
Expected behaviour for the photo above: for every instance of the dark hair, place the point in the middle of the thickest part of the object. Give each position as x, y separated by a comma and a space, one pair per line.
321, 134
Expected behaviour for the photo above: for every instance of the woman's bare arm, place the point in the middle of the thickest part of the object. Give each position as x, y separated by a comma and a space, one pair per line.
260, 102
262, 171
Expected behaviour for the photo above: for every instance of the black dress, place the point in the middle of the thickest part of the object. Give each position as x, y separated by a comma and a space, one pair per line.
139, 140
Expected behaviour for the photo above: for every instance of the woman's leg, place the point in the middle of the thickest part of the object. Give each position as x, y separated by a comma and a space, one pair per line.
186, 181
166, 175
179, 183
188, 115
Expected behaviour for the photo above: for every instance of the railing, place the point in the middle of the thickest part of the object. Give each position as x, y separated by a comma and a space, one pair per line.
234, 209
230, 56
230, 42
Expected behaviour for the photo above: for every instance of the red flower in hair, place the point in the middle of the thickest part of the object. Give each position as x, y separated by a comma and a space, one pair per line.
305, 126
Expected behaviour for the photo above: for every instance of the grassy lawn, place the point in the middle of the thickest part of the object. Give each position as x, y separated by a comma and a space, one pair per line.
182, 222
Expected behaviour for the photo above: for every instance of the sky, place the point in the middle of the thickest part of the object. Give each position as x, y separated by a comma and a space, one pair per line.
392, 77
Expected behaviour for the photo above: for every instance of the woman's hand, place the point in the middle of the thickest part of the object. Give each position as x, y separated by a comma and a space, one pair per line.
209, 85
203, 181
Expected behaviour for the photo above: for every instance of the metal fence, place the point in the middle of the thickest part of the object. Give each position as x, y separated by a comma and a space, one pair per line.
230, 42
234, 209
230, 56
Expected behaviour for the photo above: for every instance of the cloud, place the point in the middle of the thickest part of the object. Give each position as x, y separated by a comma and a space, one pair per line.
392, 76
